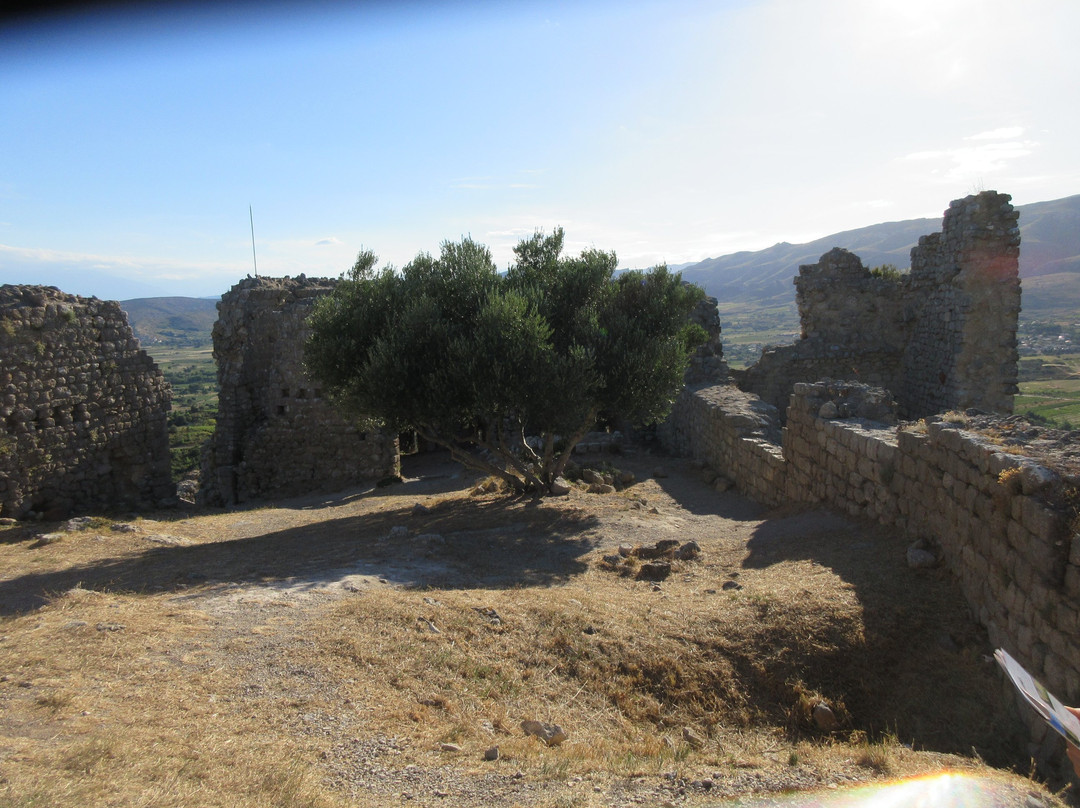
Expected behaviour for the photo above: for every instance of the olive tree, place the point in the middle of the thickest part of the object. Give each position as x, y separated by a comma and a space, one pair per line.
473, 359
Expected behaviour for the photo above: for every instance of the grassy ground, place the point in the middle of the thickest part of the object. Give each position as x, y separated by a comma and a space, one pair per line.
1050, 389
296, 654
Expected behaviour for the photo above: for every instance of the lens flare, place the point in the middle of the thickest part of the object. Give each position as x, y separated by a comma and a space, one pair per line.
942, 790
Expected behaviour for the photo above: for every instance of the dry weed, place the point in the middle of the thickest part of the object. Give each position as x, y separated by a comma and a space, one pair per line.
207, 674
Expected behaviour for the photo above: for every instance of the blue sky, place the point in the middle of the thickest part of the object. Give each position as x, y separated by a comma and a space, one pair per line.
132, 143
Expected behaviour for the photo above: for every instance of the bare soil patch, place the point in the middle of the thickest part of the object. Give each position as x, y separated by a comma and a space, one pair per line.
359, 650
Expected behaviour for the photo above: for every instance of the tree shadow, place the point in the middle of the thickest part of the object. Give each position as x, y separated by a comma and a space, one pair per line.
457, 543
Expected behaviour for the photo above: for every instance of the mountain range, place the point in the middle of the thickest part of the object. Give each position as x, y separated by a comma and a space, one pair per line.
174, 321
1049, 260
1049, 271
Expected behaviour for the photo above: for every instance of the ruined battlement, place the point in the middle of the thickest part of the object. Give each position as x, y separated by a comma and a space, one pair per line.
707, 362
276, 434
940, 337
821, 422
84, 408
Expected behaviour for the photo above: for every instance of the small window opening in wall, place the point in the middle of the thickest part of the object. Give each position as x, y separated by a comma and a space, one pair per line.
363, 436
301, 393
281, 409
284, 392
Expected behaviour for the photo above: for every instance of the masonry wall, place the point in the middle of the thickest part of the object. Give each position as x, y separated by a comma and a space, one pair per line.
707, 362
84, 408
736, 433
1004, 524
276, 434
940, 337
963, 293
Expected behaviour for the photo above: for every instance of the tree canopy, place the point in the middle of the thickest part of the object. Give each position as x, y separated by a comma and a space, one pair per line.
470, 358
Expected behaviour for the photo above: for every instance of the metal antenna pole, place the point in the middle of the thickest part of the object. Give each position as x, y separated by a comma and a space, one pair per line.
251, 217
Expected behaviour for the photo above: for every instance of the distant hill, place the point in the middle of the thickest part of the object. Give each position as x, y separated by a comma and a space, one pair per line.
173, 321
1049, 260
1049, 269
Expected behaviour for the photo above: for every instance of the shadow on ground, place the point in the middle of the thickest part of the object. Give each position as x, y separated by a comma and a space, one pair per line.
457, 543
920, 669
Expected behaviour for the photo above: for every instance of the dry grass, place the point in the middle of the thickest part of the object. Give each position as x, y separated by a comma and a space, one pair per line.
295, 656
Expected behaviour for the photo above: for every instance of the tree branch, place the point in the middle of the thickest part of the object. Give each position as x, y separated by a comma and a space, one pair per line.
502, 451
471, 461
560, 463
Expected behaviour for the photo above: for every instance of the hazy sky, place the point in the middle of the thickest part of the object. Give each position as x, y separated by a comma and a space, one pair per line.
133, 143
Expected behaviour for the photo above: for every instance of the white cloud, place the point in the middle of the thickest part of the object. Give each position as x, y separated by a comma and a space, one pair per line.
991, 152
116, 276
143, 269
121, 264
331, 240
1004, 133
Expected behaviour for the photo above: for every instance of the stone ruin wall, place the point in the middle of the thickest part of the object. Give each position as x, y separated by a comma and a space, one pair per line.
84, 408
1003, 523
276, 434
707, 362
940, 337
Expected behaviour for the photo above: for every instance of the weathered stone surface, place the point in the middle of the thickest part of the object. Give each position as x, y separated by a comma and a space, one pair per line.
920, 559
654, 571
940, 337
992, 497
707, 364
551, 734
825, 718
82, 408
276, 433
665, 548
560, 487
688, 551
692, 737
722, 484
592, 476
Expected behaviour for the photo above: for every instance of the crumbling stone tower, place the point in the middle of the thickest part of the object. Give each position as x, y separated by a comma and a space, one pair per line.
964, 294
940, 337
276, 434
84, 408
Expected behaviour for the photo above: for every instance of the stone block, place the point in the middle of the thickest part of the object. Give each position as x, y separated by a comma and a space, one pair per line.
1044, 522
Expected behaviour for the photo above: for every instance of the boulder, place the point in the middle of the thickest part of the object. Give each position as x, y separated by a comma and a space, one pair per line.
560, 487
654, 571
592, 477
825, 718
551, 734
688, 551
